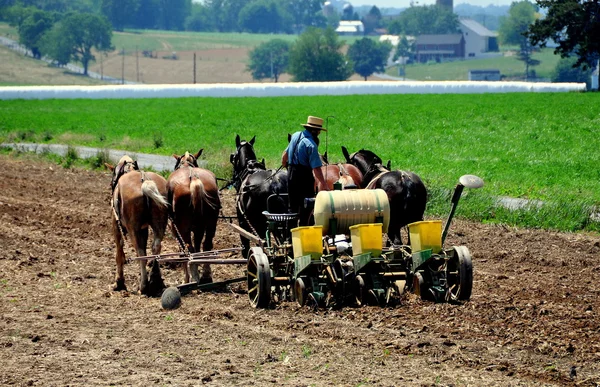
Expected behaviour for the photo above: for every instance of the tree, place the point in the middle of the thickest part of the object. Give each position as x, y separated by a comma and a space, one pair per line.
369, 56
316, 57
201, 19
404, 53
513, 28
269, 59
173, 14
147, 15
372, 20
520, 16
574, 25
305, 13
33, 27
120, 12
566, 70
420, 20
81, 33
56, 46
264, 16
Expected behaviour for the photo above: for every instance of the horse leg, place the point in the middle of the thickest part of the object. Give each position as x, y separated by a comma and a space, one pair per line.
155, 282
140, 239
206, 270
120, 258
211, 228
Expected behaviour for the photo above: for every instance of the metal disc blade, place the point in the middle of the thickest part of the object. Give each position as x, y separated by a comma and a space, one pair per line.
471, 181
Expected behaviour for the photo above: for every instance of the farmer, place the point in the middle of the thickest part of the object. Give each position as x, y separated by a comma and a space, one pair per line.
301, 157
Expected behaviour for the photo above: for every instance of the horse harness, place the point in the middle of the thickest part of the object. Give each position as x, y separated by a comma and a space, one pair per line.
126, 168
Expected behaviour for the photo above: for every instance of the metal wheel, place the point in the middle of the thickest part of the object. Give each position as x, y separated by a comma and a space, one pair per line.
359, 289
419, 287
460, 275
300, 291
259, 278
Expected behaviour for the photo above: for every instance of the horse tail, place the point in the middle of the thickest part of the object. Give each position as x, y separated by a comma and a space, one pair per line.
150, 190
197, 192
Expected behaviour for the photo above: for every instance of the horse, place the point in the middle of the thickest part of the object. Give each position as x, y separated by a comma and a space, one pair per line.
405, 190
194, 198
347, 175
254, 184
138, 202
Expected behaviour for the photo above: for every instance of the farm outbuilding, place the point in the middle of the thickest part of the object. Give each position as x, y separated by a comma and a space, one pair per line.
484, 75
478, 39
350, 27
439, 47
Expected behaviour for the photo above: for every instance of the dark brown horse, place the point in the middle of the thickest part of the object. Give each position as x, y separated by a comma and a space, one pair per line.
194, 197
405, 190
254, 185
138, 202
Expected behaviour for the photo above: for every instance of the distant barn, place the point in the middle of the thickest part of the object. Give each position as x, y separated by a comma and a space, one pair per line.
484, 75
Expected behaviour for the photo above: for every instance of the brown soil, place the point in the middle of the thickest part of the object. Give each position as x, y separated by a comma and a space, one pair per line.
533, 316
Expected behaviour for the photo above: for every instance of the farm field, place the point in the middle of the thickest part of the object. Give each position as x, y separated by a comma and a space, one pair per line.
223, 57
524, 145
507, 63
532, 319
18, 70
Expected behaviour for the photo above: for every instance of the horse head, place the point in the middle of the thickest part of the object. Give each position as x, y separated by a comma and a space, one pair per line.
187, 159
125, 164
244, 153
365, 160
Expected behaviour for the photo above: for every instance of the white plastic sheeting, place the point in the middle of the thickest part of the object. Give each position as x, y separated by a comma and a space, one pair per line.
279, 89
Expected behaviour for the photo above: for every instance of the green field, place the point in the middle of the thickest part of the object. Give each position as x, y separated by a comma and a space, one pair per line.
509, 66
524, 145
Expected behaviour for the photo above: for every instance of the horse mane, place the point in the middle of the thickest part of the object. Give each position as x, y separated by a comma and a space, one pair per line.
120, 169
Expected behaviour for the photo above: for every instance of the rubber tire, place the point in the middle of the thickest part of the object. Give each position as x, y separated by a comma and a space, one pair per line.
465, 273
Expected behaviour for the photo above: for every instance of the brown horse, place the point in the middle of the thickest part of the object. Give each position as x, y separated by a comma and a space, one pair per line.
347, 175
138, 202
194, 197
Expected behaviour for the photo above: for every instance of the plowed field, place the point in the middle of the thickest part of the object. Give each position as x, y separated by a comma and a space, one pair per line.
533, 319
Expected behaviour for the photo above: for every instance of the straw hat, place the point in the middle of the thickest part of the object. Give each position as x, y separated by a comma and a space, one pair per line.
314, 123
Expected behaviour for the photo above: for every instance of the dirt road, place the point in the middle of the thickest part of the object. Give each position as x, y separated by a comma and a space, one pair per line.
534, 314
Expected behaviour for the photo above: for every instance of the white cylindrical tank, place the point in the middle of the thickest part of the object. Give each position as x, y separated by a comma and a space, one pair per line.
351, 207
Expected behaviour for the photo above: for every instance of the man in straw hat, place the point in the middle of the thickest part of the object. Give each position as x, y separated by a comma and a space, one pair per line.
302, 159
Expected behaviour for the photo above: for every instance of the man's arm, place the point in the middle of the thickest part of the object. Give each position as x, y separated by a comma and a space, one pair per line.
284, 159
319, 176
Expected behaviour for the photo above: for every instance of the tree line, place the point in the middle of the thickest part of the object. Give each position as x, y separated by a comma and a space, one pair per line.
66, 30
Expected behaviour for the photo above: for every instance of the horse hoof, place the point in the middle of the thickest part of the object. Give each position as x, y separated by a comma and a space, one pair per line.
205, 280
119, 286
171, 298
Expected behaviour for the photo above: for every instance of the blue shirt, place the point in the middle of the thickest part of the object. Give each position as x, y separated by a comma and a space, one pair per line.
302, 150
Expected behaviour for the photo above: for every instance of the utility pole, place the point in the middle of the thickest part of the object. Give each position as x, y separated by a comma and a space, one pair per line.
137, 65
194, 68
271, 53
123, 67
